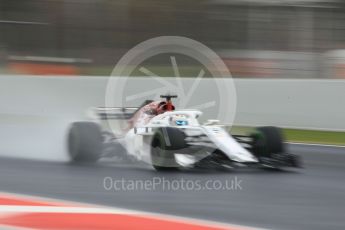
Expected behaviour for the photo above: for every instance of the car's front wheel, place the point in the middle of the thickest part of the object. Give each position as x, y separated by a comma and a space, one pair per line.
269, 146
267, 141
165, 143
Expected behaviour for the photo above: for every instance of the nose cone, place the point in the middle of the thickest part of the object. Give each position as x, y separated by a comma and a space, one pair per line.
230, 146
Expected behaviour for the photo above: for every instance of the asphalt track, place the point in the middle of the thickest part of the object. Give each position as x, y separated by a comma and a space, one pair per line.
308, 198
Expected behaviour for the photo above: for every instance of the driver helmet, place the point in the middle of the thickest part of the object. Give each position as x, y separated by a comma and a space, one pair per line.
163, 107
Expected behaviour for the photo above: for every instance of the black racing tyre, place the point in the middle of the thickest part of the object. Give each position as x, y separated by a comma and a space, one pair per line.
85, 142
267, 141
165, 142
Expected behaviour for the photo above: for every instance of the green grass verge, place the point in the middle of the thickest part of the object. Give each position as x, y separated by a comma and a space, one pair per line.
313, 136
163, 71
304, 136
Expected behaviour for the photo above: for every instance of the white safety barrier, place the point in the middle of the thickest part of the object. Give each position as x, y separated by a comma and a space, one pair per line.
35, 112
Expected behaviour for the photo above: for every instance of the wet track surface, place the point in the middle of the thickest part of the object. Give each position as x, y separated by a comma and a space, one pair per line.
308, 198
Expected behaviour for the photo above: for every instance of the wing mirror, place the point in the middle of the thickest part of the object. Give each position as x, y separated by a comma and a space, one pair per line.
211, 122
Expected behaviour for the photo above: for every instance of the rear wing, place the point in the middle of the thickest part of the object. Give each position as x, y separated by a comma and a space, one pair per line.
114, 113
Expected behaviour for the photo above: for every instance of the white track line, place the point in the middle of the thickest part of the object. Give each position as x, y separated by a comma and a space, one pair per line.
8, 227
91, 208
314, 144
55, 209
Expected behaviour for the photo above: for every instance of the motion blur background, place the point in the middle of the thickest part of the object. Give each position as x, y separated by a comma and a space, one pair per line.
270, 47
256, 38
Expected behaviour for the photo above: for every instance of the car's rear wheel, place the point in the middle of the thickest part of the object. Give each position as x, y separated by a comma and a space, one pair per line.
84, 142
165, 143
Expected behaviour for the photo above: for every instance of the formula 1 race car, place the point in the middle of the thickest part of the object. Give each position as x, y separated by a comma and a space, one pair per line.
168, 139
